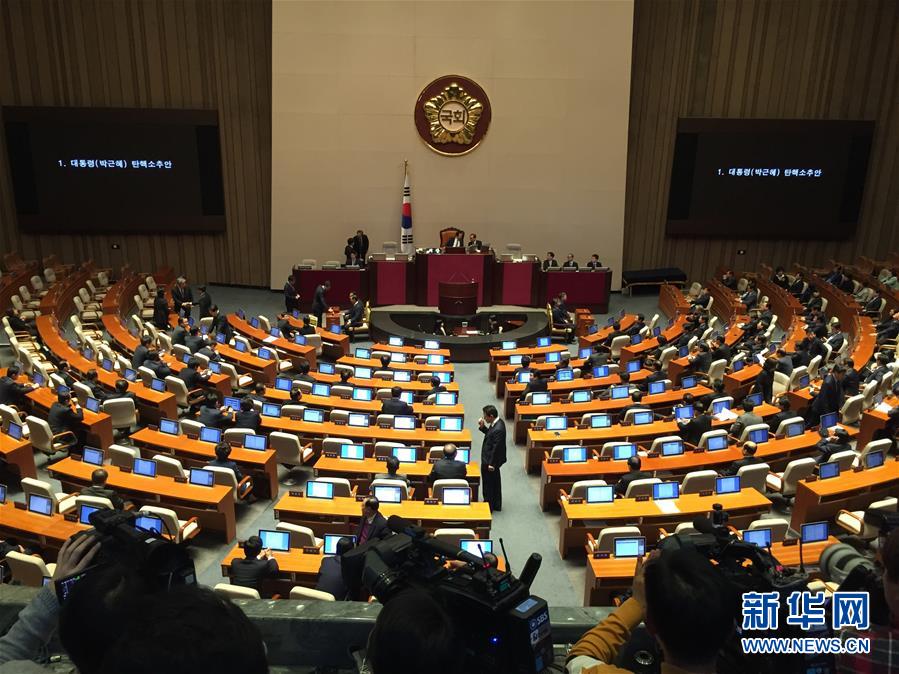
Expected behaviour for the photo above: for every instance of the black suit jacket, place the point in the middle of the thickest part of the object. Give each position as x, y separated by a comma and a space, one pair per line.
448, 469
493, 450
213, 417
180, 296
765, 384
722, 352
205, 303
550, 263
379, 528
570, 264
179, 335
319, 303
194, 342
360, 243
739, 463
851, 383
594, 264
12, 392
251, 572
829, 397
330, 578
161, 313
63, 418
140, 355
247, 419
160, 369
627, 478
191, 378
692, 431
104, 492
784, 365
356, 312
395, 406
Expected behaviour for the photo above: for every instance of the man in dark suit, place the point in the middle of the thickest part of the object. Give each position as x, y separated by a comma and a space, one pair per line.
829, 398
194, 340
474, 243
204, 302
303, 372
837, 440
291, 295
836, 338
880, 369
219, 323
11, 391
181, 331
448, 468
436, 387
599, 357
692, 429
156, 366
657, 374
255, 567
720, 350
700, 358
493, 456
284, 325
636, 326
872, 306
160, 310
121, 391
764, 382
784, 362
319, 303
749, 459
98, 488
636, 404
330, 574
550, 262
570, 262
458, 241
524, 367
223, 460
65, 415
851, 379
561, 319
594, 262
751, 297
748, 418
393, 465
92, 381
247, 416
633, 473
182, 297
797, 285
64, 370
141, 351
373, 524
780, 278
191, 376
888, 328
785, 413
729, 280
353, 317
395, 405
210, 351
360, 244
213, 416
538, 384
702, 300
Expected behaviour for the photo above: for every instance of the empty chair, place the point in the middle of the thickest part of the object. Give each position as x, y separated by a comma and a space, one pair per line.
785, 483
383, 482
42, 437
237, 435
176, 530
844, 459
169, 466
190, 427
339, 416
698, 480
300, 536
235, 591
28, 570
619, 343
783, 425
851, 412
10, 415
754, 476
629, 415
744, 436
226, 477
93, 501
184, 398
440, 485
558, 451
292, 411
123, 456
781, 384
122, 412
608, 448
304, 386
299, 592
333, 445
854, 521
813, 366
62, 502
579, 488
798, 373
868, 394
641, 487
708, 435
454, 536
667, 356
82, 392
38, 284
717, 369
341, 485
288, 449
657, 443
606, 540
875, 446
779, 527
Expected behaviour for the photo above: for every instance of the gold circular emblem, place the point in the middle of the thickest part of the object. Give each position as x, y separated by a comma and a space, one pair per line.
452, 115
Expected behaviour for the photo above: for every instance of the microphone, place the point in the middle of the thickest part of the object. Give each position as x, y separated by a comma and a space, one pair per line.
531, 567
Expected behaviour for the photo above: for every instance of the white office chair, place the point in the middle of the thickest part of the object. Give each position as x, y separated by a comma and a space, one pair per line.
851, 412
10, 415
43, 439
785, 483
62, 502
440, 485
854, 521
237, 435
169, 466
779, 527
874, 446
754, 476
781, 384
744, 436
708, 435
383, 482
123, 456
235, 591
641, 487
28, 570
454, 536
698, 480
783, 425
657, 443
342, 486
300, 536
579, 488
299, 592
94, 501
122, 412
288, 449
606, 540
190, 427
846, 459
228, 478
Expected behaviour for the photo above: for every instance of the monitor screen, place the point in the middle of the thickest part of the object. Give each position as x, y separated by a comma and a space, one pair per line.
630, 547
720, 405
620, 392
451, 424
759, 537
283, 383
444, 398
600, 421
254, 322
656, 387
214, 367
432, 344
363, 353
737, 365
556, 423
276, 541
201, 477
145, 467
93, 456
395, 341
274, 332
92, 404
634, 366
256, 442
553, 357
130, 374
169, 426
240, 346
321, 390
813, 532
63, 389
509, 345
476, 546
727, 485
636, 339
624, 452
315, 489
335, 329
601, 371
186, 357
581, 396
642, 418
794, 429
759, 435
271, 410
387, 494
358, 420
40, 504
221, 337
106, 364
665, 490
2, 493
232, 402
407, 397
84, 513
301, 341
38, 379
404, 423
444, 377
804, 381
354, 452
672, 448
88, 354
326, 368
574, 454
688, 382
524, 377
829, 470
397, 357
540, 398
716, 442
14, 430
313, 416
148, 523
754, 398
656, 331
584, 353
264, 353
363, 373
435, 359
683, 412
683, 351
210, 434
157, 385
330, 546
565, 374
544, 341
515, 359
463, 455
402, 375
873, 459
456, 495
830, 420
362, 394
601, 494
405, 454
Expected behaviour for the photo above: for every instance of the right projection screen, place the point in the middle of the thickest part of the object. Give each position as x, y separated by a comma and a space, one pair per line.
768, 179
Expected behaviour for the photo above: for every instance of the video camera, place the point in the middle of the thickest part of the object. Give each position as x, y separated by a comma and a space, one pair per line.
502, 626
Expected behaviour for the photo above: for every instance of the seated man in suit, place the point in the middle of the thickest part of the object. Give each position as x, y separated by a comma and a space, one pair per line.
66, 415
656, 374
18, 324
837, 440
219, 323
597, 358
64, 370
524, 367
247, 416
213, 416
303, 372
729, 280
717, 392
692, 429
373, 524
814, 303
258, 393
330, 574
702, 300
156, 366
223, 460
780, 278
448, 467
474, 243
255, 567
797, 285
180, 333
98, 488
881, 368
561, 320
700, 358
538, 384
458, 241
11, 391
141, 351
784, 362
570, 262
851, 379
633, 473
749, 459
636, 404
888, 328
284, 326
594, 262
354, 316
748, 418
210, 351
720, 350
550, 262
637, 326
121, 391
394, 405
785, 413
836, 338
829, 398
393, 465
191, 375
436, 386
872, 306
194, 340
751, 297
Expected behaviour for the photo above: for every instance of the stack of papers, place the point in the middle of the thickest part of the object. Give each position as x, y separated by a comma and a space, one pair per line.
269, 339
726, 415
668, 507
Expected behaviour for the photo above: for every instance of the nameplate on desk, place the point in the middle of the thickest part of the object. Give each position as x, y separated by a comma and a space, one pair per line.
432, 501
180, 480
706, 492
653, 455
75, 457
431, 460
192, 436
787, 542
624, 423
361, 497
575, 500
554, 459
125, 469
645, 497
811, 478
293, 418
311, 550
602, 555
857, 469
698, 450
330, 455
339, 422
603, 457
384, 425
295, 494
70, 517
153, 427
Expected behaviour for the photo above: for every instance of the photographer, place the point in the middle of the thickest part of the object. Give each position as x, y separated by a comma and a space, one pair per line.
687, 605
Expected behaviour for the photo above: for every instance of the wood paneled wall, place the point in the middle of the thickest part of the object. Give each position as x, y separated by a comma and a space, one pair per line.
207, 54
819, 59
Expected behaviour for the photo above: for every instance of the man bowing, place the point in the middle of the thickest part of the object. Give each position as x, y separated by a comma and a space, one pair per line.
493, 456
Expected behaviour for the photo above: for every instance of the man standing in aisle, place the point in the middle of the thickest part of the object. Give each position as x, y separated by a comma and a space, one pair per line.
360, 244
319, 303
493, 456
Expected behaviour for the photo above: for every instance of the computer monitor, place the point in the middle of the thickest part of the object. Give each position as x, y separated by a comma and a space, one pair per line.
463, 455
553, 357
335, 329
665, 490
581, 396
829, 470
584, 353
221, 337
186, 357
804, 381
326, 368
274, 332
40, 504
656, 387
813, 532
271, 410
145, 467
507, 345
395, 341
396, 357
565, 374
232, 402
321, 389
636, 339
157, 385
362, 373
727, 485
62, 389
758, 537
515, 359
84, 513
274, 540
619, 392
92, 404
610, 320
404, 423
600, 494
716, 442
457, 495
402, 375
830, 420
93, 456
476, 546
313, 416
683, 412
106, 364
444, 377
330, 546
353, 452
169, 426
624, 452
405, 454
656, 331
88, 354
432, 344
407, 397
14, 431
202, 477
265, 353
737, 365
795, 429
720, 405
316, 489
362, 352
130, 375
362, 394
254, 322
544, 341
388, 494
2, 493
672, 447
541, 398
682, 352
255, 442
754, 398
240, 346
445, 398
451, 424
38, 379
283, 384
874, 459
574, 454
215, 368
556, 423
210, 434
524, 377
358, 420
436, 359
148, 523
629, 547
642, 418
634, 366
301, 340
759, 435
688, 382
600, 421
601, 371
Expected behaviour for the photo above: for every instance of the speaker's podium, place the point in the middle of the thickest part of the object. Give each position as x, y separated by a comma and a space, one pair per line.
457, 298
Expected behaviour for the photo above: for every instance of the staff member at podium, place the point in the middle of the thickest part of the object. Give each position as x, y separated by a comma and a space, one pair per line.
570, 262
550, 261
594, 262
457, 241
474, 243
319, 303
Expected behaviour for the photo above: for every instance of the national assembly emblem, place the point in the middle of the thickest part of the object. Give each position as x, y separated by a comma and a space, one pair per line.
452, 115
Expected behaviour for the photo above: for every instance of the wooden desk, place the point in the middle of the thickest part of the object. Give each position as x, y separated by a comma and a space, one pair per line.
672, 301
371, 407
602, 334
580, 519
634, 351
333, 345
872, 421
48, 532
18, 455
504, 373
823, 499
535, 353
410, 350
97, 425
609, 577
296, 353
560, 389
417, 387
361, 473
375, 364
212, 506
262, 466
342, 515
294, 568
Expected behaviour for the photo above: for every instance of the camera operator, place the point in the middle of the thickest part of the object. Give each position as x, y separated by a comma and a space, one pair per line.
687, 605
884, 652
